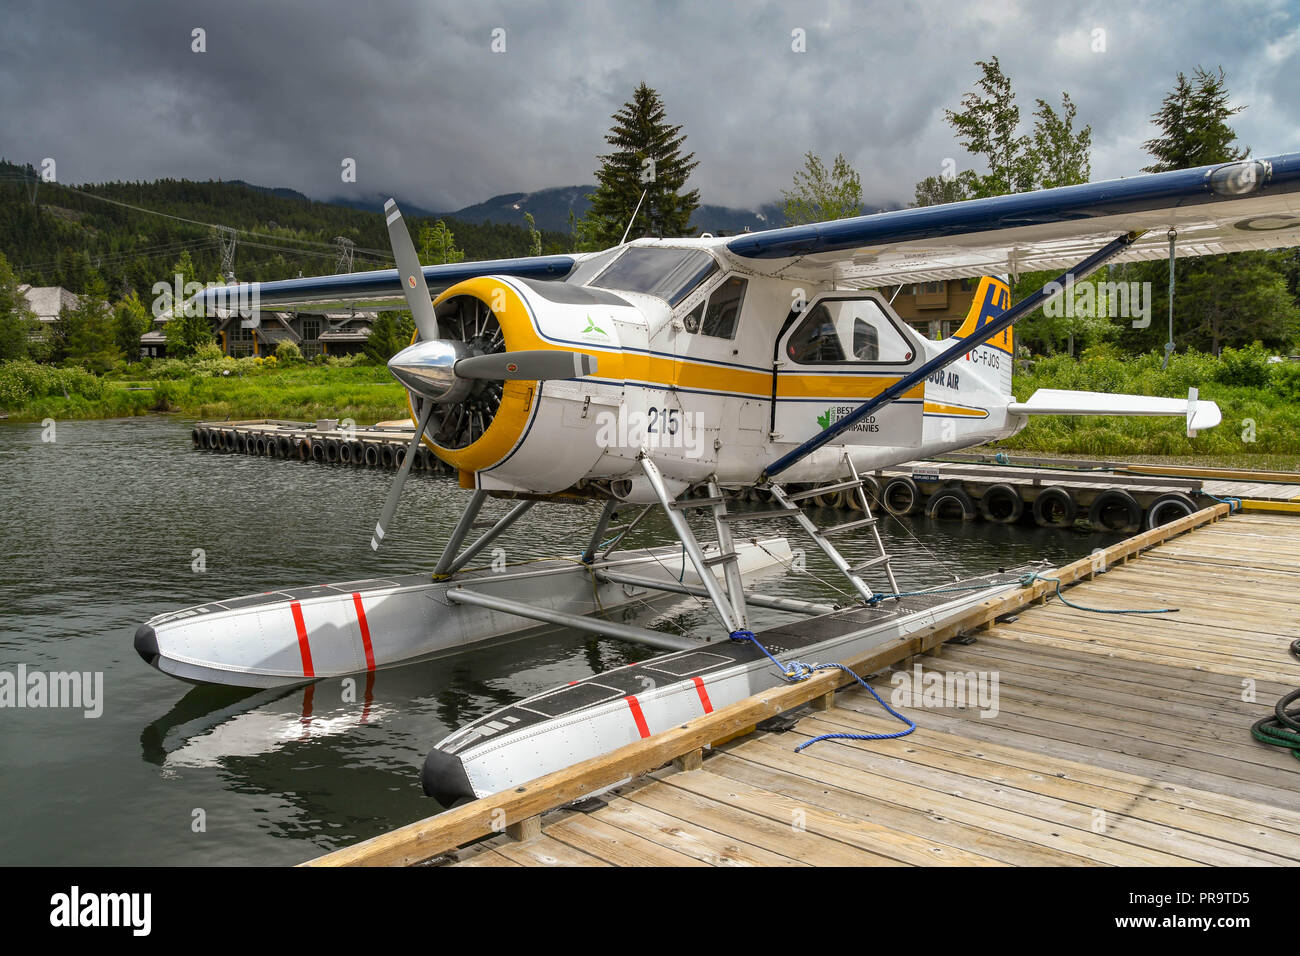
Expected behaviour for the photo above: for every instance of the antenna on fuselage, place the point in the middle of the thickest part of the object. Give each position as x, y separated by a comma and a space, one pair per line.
634, 212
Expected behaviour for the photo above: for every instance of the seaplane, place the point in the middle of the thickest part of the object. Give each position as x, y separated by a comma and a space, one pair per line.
664, 375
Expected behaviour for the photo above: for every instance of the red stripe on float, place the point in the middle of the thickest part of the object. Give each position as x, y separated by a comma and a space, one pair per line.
303, 646
704, 694
365, 632
635, 706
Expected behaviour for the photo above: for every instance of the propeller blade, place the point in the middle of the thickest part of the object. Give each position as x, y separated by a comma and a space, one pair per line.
414, 287
535, 365
395, 492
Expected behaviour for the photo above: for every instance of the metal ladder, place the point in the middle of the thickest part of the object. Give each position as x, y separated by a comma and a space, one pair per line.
729, 600
820, 536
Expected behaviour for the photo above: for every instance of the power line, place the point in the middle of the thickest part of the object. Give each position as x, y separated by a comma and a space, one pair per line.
387, 257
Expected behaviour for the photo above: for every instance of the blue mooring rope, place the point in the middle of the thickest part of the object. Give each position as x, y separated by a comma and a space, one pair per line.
1234, 504
1028, 579
797, 671
879, 596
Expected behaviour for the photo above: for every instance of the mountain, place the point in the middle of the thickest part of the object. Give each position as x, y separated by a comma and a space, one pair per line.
551, 208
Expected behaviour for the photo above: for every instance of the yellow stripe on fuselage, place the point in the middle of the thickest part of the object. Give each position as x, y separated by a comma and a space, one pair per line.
958, 411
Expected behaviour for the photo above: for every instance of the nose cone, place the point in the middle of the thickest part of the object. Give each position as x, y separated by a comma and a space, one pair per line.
146, 645
428, 369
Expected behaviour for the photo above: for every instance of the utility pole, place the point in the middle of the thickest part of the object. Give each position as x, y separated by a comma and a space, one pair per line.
344, 261
226, 236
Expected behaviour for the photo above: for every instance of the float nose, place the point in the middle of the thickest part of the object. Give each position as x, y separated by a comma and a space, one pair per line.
146, 644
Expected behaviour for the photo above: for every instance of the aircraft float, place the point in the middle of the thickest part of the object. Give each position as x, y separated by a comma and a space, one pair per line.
662, 374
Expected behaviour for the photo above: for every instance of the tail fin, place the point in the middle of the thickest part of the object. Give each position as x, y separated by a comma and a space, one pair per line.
992, 298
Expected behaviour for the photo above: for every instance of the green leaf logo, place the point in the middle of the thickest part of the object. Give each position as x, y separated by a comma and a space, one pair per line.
824, 419
593, 327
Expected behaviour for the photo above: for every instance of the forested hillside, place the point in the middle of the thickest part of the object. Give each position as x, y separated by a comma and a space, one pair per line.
57, 235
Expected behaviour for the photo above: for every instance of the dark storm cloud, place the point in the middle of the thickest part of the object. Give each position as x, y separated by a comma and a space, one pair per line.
414, 92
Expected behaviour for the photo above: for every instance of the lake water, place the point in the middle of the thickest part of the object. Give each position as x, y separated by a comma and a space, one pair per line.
98, 531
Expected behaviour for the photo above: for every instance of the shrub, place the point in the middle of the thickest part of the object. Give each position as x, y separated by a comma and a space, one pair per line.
1248, 367
287, 353
1284, 379
208, 353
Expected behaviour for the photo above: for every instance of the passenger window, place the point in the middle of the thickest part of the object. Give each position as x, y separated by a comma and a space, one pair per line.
717, 315
815, 339
866, 341
858, 323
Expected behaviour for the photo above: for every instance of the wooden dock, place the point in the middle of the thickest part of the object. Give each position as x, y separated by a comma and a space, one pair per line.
1117, 740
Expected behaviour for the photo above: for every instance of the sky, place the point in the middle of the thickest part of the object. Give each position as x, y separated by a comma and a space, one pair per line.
447, 104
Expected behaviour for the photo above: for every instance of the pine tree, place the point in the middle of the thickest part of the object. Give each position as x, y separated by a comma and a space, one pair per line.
1219, 301
87, 332
821, 194
1060, 156
1193, 119
189, 328
130, 321
390, 333
647, 156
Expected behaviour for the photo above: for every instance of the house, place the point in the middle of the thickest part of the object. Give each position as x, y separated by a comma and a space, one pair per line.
47, 301
935, 309
314, 332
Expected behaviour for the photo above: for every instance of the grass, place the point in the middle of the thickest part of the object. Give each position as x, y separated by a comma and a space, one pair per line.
1260, 401
364, 393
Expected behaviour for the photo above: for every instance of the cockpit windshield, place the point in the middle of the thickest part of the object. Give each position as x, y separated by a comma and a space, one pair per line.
670, 274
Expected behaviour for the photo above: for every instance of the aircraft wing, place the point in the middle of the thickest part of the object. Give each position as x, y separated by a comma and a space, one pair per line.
378, 289
1230, 207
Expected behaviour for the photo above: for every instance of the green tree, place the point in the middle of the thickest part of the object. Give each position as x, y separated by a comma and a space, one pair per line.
822, 194
1059, 155
17, 321
1193, 121
646, 158
939, 190
535, 237
1219, 301
130, 321
438, 245
88, 333
391, 332
189, 327
988, 126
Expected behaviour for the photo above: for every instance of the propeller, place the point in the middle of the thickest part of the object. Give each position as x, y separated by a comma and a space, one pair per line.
443, 371
395, 492
536, 365
414, 287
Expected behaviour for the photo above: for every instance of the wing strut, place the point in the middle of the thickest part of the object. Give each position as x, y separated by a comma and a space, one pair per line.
981, 335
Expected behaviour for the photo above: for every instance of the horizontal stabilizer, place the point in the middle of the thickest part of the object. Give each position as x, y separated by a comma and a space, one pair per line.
1055, 401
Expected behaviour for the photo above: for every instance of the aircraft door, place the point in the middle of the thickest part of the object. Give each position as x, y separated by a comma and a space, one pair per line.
842, 350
